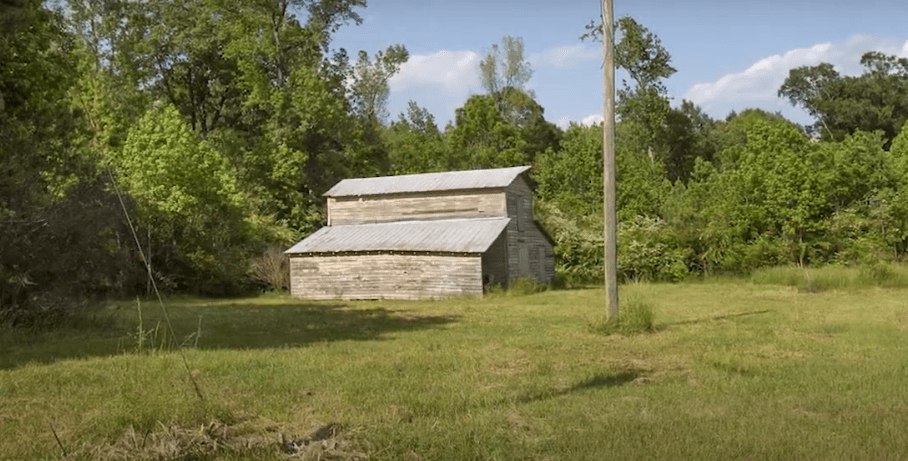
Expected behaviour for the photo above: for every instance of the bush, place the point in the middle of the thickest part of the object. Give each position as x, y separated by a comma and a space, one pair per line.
272, 268
648, 249
647, 252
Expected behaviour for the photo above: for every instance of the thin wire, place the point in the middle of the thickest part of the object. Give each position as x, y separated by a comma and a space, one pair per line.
154, 285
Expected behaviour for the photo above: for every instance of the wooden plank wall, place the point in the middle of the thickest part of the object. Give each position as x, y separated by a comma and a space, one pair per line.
476, 203
385, 276
523, 233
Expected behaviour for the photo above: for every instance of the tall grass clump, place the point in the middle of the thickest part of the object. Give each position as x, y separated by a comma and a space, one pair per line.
157, 338
520, 287
826, 278
635, 317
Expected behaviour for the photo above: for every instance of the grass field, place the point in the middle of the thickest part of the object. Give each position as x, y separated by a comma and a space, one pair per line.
734, 370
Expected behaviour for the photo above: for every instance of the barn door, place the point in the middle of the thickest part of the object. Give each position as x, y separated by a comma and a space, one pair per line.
541, 267
523, 261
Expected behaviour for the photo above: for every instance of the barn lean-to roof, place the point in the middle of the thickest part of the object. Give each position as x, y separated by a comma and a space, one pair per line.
427, 182
447, 236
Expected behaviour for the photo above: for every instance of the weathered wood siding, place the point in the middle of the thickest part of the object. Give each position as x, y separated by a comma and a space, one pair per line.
495, 261
475, 203
530, 254
385, 276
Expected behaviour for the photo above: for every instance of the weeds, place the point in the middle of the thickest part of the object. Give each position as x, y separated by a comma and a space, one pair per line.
828, 278
635, 317
157, 339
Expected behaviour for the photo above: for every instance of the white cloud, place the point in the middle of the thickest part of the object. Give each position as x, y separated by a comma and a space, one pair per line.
441, 82
453, 71
590, 120
565, 57
758, 85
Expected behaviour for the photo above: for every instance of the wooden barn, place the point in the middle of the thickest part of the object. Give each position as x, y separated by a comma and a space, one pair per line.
431, 235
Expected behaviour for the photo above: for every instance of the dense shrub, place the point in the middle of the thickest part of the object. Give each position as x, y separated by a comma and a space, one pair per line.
647, 251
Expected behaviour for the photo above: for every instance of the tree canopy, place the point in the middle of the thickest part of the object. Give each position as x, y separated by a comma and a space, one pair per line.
842, 105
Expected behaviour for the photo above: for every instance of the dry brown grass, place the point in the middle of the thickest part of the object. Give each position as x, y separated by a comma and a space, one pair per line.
217, 439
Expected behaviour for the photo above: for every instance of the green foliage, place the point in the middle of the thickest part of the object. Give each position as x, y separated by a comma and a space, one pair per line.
648, 252
59, 227
187, 199
226, 122
875, 100
578, 243
415, 144
482, 138
572, 175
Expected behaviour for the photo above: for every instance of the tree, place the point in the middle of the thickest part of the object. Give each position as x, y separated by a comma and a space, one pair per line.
505, 67
415, 144
571, 176
685, 137
58, 224
253, 79
482, 138
525, 114
728, 137
36, 71
504, 74
776, 197
370, 87
875, 100
641, 54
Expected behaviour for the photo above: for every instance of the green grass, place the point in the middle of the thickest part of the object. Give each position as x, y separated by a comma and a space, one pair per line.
835, 277
733, 370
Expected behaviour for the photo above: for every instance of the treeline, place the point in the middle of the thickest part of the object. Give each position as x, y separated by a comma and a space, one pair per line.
204, 132
703, 196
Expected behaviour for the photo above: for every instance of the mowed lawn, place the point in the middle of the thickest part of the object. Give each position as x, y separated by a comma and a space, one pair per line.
734, 371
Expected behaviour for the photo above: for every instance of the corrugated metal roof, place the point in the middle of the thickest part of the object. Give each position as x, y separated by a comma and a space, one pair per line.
450, 235
451, 180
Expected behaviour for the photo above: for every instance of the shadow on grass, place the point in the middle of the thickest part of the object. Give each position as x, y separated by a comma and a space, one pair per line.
240, 326
596, 382
713, 319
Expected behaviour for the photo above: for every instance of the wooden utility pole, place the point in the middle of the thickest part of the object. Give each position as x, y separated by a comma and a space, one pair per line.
608, 157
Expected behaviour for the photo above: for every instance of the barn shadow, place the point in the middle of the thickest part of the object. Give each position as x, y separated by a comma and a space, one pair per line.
252, 326
216, 325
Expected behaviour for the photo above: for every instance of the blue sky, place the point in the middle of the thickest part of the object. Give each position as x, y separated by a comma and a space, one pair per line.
730, 55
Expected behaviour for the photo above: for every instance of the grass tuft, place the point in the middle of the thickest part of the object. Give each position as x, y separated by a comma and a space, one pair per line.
635, 317
520, 287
